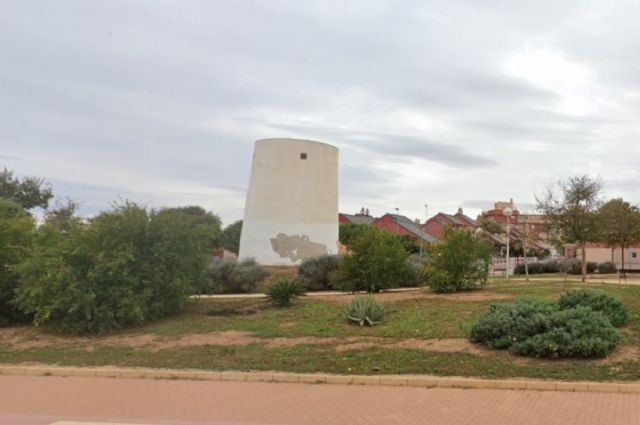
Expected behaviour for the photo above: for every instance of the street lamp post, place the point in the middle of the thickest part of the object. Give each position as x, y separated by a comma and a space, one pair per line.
398, 214
507, 213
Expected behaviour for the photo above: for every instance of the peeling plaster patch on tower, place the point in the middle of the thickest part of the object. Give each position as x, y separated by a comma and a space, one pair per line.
297, 247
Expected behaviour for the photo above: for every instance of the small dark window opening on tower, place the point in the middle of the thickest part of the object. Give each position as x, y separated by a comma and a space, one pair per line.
303, 155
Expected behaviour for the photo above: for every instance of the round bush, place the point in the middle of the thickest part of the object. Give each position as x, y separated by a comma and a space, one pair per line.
315, 273
539, 267
378, 261
607, 267
574, 266
459, 262
506, 324
232, 277
570, 328
612, 308
283, 291
576, 332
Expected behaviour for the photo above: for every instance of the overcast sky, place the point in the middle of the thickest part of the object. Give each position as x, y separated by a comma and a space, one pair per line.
445, 103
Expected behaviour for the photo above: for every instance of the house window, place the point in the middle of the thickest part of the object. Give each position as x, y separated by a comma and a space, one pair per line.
634, 255
303, 155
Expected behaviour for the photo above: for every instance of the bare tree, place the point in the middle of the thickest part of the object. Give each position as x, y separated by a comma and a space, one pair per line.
571, 213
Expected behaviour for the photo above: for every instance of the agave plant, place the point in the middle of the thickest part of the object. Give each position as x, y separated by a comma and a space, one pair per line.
365, 311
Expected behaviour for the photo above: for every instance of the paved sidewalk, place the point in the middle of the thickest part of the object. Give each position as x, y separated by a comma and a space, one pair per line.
30, 400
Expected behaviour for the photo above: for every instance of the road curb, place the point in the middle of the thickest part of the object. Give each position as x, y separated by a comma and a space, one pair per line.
424, 381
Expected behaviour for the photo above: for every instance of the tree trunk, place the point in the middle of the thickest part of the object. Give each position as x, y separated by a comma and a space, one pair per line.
622, 259
584, 262
612, 249
526, 263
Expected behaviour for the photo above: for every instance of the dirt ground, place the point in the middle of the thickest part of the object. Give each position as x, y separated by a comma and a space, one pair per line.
26, 338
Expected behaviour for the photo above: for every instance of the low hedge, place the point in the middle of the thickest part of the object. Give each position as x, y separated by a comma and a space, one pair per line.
581, 324
612, 308
232, 277
315, 274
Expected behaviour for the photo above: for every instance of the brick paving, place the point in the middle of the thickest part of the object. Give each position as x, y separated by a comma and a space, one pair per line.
32, 400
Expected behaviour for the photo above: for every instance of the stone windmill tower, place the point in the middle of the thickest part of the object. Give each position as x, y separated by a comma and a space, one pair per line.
291, 212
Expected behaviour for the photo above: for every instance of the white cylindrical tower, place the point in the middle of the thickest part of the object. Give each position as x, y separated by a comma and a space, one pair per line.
291, 212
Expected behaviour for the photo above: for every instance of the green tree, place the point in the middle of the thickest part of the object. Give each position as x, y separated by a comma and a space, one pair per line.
490, 225
16, 236
29, 192
205, 223
348, 232
619, 225
230, 237
63, 216
571, 214
378, 261
459, 262
126, 266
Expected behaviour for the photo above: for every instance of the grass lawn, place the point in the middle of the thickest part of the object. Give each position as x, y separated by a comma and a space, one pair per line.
422, 333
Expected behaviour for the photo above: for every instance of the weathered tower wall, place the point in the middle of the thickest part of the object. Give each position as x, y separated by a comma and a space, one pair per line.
291, 212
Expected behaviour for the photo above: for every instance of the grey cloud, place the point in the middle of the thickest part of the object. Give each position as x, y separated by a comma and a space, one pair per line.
395, 145
152, 91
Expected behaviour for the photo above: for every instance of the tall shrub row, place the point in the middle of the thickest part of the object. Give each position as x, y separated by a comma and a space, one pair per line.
125, 266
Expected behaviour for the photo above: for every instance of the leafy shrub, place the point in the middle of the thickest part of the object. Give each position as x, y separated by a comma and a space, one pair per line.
506, 324
419, 275
16, 236
539, 267
232, 277
283, 291
315, 273
574, 266
378, 261
576, 332
577, 326
126, 266
365, 311
459, 262
607, 267
551, 267
612, 308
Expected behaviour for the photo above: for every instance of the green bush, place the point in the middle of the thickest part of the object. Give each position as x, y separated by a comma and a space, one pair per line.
16, 236
378, 261
574, 266
577, 326
607, 267
365, 311
506, 324
612, 308
283, 291
126, 266
539, 267
419, 275
551, 266
232, 277
459, 262
315, 273
576, 332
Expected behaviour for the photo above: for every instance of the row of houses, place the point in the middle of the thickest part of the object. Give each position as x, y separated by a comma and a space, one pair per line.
529, 227
522, 226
